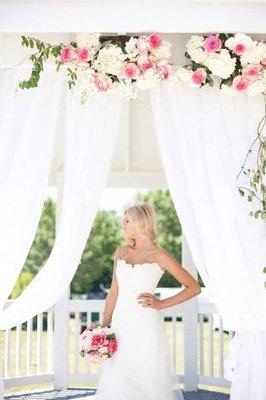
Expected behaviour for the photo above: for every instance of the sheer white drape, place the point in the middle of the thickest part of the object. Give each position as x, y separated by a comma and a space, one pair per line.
203, 137
89, 142
28, 121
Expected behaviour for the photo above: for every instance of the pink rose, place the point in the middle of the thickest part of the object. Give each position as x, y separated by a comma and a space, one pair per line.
164, 68
100, 83
239, 49
144, 62
112, 346
141, 45
240, 83
155, 40
199, 76
212, 44
98, 339
83, 54
68, 54
131, 71
251, 74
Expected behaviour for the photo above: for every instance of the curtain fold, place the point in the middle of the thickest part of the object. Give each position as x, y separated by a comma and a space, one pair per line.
89, 142
203, 137
28, 121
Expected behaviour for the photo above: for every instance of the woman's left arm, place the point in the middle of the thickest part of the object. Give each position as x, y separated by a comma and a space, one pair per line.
192, 288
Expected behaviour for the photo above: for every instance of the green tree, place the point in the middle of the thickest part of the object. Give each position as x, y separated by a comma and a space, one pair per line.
96, 265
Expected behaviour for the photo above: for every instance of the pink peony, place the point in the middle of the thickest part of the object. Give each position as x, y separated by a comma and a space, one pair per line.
251, 74
131, 71
112, 346
212, 44
144, 62
83, 54
141, 45
155, 40
98, 339
68, 54
240, 83
199, 76
239, 49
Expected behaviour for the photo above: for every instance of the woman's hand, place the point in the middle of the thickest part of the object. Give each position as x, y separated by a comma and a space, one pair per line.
149, 300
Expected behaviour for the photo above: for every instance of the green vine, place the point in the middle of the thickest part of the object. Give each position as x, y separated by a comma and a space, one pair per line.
45, 50
257, 188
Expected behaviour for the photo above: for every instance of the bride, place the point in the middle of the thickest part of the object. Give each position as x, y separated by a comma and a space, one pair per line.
140, 369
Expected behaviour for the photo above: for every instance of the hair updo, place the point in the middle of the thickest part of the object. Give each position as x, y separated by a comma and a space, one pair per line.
144, 216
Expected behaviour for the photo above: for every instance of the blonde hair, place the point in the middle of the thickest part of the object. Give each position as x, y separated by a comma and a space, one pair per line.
145, 217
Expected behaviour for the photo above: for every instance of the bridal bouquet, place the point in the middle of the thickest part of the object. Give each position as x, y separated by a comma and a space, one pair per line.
97, 343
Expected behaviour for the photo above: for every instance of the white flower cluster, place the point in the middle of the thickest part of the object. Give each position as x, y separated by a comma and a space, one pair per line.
110, 60
145, 62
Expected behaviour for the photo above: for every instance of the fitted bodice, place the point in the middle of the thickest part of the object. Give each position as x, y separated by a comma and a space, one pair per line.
140, 277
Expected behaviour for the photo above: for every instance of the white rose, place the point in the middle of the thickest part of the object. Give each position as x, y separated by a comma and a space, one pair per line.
255, 55
242, 38
90, 40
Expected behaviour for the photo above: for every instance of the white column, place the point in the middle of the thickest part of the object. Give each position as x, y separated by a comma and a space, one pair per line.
61, 318
191, 378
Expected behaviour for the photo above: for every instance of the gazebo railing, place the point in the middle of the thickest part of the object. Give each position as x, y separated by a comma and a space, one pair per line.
197, 350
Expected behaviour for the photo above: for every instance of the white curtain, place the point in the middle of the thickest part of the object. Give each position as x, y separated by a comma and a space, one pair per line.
89, 142
28, 121
203, 138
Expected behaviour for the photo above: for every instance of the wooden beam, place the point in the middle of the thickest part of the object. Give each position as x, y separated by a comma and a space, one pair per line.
131, 16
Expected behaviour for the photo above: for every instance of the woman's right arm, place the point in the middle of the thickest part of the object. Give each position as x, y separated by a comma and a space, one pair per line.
112, 294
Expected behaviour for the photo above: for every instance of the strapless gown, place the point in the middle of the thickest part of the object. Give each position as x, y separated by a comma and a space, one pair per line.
140, 369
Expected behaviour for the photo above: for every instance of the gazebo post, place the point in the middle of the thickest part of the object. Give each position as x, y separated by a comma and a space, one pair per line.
191, 378
61, 315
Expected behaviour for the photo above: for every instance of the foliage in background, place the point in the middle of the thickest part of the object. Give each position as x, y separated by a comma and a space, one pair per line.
40, 249
96, 266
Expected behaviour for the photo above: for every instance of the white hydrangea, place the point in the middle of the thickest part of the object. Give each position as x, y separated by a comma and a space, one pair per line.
131, 48
90, 40
255, 55
195, 41
195, 49
242, 38
221, 64
110, 60
164, 51
148, 79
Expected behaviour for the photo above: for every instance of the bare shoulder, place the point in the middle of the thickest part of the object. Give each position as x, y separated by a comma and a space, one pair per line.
121, 251
165, 258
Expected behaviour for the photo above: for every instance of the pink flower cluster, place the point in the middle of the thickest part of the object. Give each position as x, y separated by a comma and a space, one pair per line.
249, 75
72, 54
147, 58
97, 343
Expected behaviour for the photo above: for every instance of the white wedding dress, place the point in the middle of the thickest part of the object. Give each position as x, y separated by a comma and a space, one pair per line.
140, 369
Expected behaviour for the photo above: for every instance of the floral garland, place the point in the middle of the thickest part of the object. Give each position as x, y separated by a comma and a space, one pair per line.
127, 64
